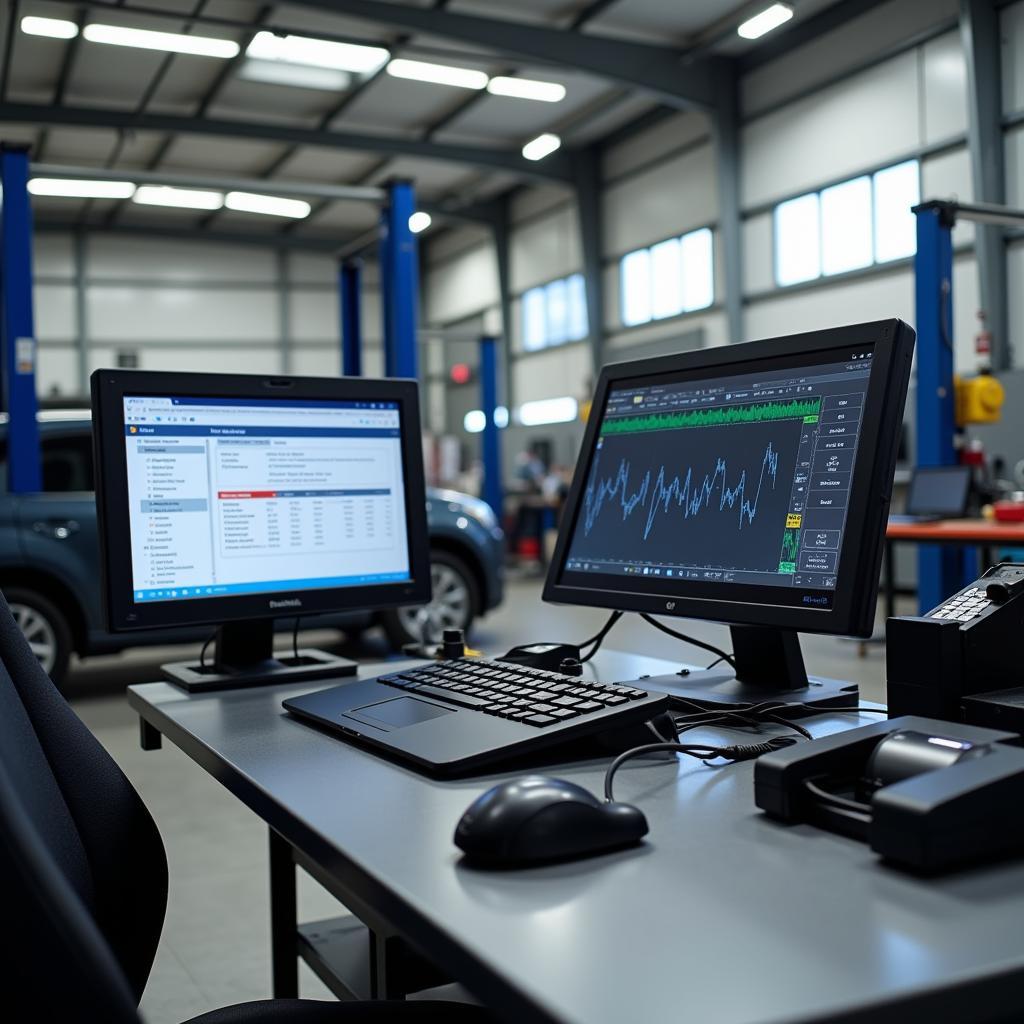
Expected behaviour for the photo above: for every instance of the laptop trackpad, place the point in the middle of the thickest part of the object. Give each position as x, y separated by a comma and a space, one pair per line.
397, 713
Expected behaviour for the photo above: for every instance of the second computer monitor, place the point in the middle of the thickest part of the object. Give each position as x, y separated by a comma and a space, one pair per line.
746, 484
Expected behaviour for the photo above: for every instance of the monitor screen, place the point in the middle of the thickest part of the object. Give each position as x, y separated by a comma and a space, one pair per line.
745, 484
245, 496
225, 497
939, 491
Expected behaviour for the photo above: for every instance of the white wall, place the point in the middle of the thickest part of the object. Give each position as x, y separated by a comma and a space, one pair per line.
183, 305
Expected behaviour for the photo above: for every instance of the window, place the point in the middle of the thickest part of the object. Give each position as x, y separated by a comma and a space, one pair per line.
555, 313
847, 226
675, 276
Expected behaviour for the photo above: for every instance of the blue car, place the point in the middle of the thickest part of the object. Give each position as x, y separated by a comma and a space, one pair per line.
49, 560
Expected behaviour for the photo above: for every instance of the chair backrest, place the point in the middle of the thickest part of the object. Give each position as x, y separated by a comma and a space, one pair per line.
83, 874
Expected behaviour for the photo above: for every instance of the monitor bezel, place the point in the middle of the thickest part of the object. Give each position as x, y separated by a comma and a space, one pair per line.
853, 604
110, 387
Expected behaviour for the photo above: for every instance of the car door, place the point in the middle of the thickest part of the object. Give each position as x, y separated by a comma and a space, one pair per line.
57, 527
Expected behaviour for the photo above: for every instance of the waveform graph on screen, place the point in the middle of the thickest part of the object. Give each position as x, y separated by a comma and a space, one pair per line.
709, 491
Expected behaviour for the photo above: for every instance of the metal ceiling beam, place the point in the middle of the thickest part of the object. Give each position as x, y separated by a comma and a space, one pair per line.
553, 168
188, 234
659, 70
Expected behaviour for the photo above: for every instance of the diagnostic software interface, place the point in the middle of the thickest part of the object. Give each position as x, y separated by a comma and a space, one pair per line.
242, 496
727, 479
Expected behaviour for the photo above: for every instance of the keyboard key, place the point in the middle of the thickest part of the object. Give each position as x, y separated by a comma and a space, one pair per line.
616, 699
563, 713
539, 720
568, 701
462, 699
587, 706
544, 709
544, 695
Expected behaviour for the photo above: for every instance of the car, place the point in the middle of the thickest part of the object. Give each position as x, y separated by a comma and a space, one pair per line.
50, 571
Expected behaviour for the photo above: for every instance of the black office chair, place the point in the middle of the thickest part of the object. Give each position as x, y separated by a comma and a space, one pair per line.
83, 876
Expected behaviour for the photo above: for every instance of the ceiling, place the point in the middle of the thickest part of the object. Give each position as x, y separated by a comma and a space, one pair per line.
83, 103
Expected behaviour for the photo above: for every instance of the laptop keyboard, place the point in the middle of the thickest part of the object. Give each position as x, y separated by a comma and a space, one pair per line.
532, 696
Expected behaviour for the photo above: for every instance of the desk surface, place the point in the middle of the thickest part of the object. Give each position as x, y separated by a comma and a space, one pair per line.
722, 915
951, 531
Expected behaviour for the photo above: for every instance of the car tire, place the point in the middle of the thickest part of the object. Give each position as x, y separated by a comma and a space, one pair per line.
45, 627
454, 605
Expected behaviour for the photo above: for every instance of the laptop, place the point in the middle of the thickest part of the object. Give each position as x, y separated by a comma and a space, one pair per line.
936, 492
455, 717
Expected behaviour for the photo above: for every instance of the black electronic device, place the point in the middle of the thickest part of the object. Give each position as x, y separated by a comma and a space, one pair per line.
747, 484
924, 794
537, 820
455, 717
937, 492
962, 662
556, 657
235, 500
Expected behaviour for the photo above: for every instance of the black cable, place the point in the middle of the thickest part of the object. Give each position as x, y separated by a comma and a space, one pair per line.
295, 640
202, 653
702, 751
717, 661
598, 638
650, 620
834, 799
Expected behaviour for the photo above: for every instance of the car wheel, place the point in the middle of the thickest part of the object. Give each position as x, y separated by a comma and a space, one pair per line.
44, 627
454, 605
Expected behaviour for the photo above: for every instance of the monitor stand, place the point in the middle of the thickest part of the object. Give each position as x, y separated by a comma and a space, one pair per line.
769, 667
243, 655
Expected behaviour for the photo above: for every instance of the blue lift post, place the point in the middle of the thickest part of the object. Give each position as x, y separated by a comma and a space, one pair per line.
350, 275
940, 570
492, 491
17, 332
399, 282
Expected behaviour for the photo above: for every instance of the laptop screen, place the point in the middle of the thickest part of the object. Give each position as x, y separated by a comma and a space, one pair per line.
939, 491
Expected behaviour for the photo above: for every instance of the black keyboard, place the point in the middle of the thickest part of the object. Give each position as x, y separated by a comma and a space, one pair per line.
532, 696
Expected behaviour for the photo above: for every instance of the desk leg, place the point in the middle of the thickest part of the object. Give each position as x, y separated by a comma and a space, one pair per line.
284, 947
149, 736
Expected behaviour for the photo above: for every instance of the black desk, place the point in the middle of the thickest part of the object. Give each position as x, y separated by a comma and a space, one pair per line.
723, 915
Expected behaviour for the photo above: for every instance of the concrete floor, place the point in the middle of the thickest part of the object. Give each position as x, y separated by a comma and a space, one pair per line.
215, 944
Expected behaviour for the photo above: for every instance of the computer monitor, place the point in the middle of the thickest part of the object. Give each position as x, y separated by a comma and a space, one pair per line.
747, 484
939, 492
233, 500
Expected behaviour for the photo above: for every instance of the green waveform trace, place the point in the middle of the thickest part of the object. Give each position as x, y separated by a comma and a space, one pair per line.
722, 416
790, 544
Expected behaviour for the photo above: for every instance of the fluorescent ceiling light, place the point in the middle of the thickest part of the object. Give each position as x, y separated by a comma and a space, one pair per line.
274, 206
170, 42
542, 146
317, 53
74, 188
54, 28
474, 421
301, 76
185, 198
526, 89
439, 74
419, 221
548, 410
763, 23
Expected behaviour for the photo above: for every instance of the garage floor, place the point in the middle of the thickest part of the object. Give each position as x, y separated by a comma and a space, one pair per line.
215, 945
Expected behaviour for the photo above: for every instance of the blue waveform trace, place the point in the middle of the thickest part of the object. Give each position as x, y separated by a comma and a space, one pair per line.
692, 499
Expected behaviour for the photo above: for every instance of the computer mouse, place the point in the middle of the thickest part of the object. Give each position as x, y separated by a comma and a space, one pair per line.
539, 819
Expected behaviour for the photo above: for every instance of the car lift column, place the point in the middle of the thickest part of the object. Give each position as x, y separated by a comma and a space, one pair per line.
17, 334
350, 275
940, 570
491, 490
399, 276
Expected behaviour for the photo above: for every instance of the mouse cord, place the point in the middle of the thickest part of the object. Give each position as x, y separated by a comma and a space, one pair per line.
702, 751
722, 656
598, 638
